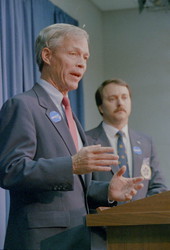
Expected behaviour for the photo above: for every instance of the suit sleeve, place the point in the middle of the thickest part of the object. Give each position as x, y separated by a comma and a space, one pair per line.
98, 195
157, 183
20, 168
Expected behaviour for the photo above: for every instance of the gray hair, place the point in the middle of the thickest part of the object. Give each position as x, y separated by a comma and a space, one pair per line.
52, 36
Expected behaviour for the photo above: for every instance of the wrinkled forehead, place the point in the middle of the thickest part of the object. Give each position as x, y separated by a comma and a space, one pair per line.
74, 44
70, 41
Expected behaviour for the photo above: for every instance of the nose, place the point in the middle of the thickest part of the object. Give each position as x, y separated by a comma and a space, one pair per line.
119, 101
81, 63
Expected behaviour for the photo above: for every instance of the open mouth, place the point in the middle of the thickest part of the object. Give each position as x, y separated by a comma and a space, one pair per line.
77, 75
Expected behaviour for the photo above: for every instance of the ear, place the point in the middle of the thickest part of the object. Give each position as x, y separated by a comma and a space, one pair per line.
100, 109
46, 55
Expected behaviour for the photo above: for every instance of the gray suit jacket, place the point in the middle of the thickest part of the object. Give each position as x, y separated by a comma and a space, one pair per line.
147, 149
48, 204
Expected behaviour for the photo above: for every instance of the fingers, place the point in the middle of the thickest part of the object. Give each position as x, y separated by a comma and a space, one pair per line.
139, 186
94, 158
101, 169
99, 156
133, 192
123, 189
103, 162
99, 149
121, 171
137, 179
102, 157
129, 196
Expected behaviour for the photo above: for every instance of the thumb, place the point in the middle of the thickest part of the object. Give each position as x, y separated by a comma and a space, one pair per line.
121, 171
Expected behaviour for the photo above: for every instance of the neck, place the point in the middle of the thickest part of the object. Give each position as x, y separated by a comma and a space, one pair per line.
55, 85
117, 125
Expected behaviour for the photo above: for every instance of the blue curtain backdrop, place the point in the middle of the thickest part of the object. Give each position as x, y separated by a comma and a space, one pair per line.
20, 23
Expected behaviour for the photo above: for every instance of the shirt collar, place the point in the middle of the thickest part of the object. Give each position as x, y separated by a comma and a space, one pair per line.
53, 92
111, 131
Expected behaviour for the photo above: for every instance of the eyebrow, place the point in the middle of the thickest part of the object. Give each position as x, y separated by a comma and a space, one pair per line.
117, 95
79, 49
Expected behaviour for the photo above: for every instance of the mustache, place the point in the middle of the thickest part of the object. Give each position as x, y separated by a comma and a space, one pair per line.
120, 109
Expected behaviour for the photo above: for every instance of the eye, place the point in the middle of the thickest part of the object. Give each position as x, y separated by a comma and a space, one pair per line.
72, 53
124, 97
111, 99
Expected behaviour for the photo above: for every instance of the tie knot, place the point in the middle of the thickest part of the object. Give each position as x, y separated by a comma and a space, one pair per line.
119, 133
66, 101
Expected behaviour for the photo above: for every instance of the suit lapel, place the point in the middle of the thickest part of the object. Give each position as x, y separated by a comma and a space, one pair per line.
100, 137
137, 156
60, 124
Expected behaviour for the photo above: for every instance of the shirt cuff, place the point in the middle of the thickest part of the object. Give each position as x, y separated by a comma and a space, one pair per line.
112, 203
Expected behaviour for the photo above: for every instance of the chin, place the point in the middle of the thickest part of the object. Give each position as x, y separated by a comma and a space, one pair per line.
120, 119
74, 86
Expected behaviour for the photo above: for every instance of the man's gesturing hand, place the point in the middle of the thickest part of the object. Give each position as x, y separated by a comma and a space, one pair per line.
123, 189
94, 158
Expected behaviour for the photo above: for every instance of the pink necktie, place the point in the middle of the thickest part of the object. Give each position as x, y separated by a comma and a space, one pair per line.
70, 120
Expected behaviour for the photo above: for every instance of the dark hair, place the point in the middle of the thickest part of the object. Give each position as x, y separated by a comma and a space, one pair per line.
99, 91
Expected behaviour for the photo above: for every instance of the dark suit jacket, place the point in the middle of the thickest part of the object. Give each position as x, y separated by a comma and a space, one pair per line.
147, 150
48, 203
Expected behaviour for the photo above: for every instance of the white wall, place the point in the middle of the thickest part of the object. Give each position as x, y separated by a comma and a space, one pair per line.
87, 14
137, 49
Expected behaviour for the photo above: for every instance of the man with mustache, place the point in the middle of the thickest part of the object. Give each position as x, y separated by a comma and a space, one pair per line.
113, 99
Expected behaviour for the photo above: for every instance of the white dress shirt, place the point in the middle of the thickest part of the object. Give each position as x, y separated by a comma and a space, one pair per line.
112, 137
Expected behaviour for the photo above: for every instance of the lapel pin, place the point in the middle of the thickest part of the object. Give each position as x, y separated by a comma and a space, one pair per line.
55, 116
137, 150
146, 171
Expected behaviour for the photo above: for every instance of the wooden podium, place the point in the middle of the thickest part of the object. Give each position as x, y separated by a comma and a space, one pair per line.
139, 225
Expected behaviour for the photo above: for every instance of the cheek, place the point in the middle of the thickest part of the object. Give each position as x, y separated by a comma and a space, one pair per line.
61, 69
112, 106
109, 109
129, 106
129, 110
85, 66
66, 67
